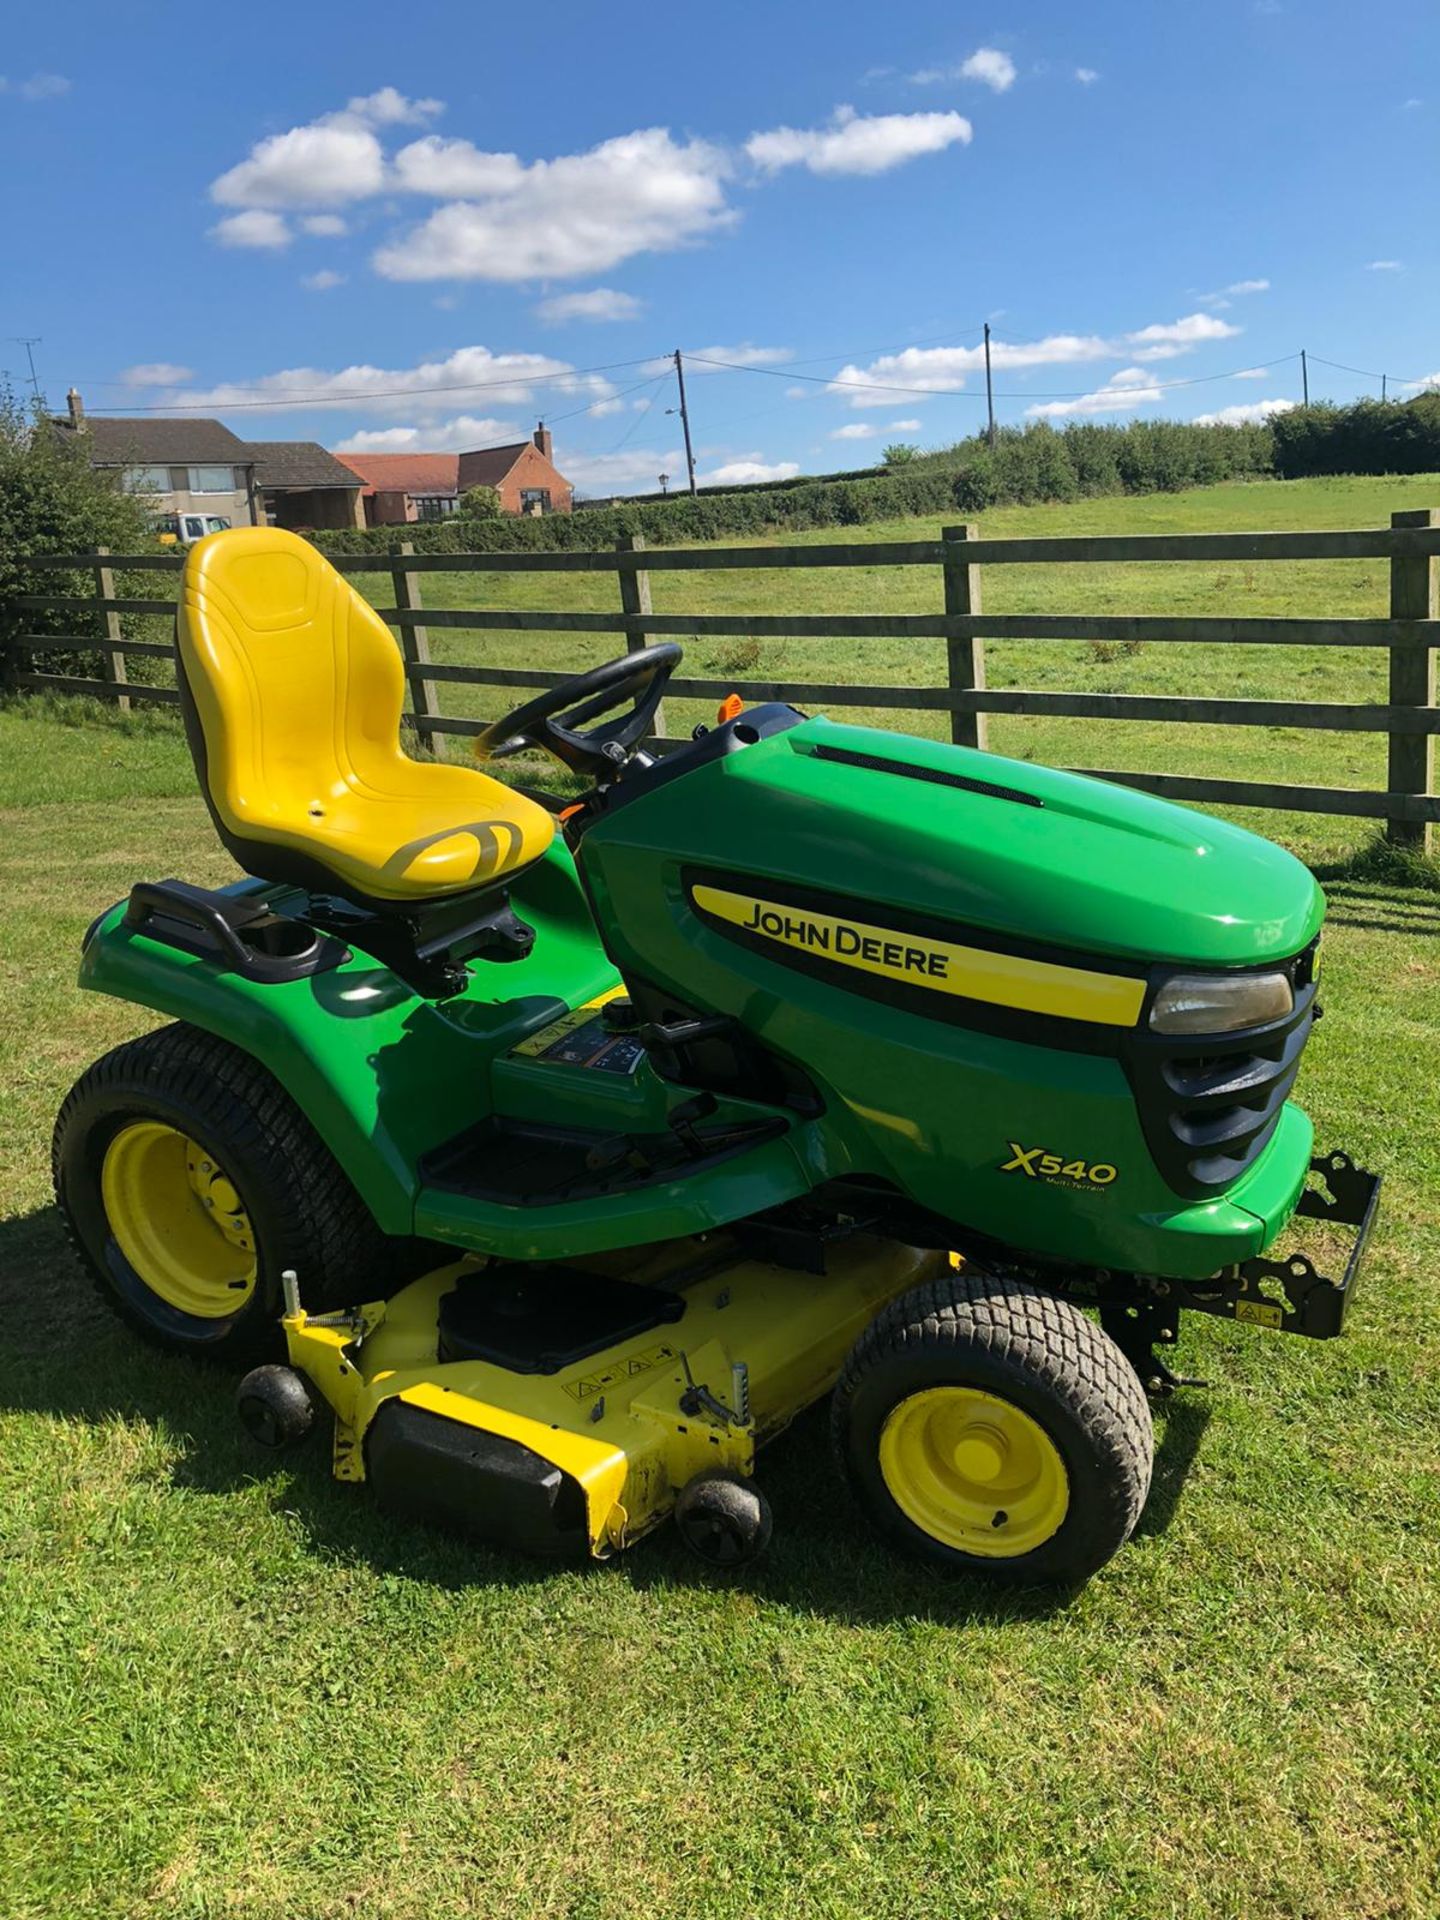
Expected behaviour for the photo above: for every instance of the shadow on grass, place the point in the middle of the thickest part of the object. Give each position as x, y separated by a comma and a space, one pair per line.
72, 1359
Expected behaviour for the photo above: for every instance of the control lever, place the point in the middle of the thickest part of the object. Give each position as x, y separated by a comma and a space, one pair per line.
681, 1121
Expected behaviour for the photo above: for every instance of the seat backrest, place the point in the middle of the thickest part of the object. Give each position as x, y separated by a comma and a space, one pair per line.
292, 688
296, 681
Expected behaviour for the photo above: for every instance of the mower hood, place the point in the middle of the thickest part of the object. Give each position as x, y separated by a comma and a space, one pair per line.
1002, 845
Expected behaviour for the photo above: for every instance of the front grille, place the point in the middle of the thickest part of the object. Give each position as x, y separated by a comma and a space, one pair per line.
1209, 1103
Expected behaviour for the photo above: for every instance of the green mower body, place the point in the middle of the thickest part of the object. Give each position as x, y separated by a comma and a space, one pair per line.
814, 890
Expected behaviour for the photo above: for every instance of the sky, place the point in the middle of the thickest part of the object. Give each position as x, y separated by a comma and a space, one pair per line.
423, 228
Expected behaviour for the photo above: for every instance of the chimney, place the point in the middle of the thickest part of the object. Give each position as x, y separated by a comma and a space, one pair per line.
77, 410
541, 437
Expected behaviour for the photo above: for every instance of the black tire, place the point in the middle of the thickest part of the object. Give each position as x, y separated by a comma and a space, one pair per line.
275, 1406
723, 1518
1042, 1356
303, 1210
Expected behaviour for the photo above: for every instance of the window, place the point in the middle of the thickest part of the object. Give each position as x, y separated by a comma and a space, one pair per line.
212, 480
147, 479
535, 500
216, 523
435, 506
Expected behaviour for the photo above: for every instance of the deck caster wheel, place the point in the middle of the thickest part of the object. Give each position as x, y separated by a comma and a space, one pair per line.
274, 1406
723, 1519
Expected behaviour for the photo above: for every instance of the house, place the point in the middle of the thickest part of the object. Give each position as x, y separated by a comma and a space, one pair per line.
194, 467
401, 487
203, 477
301, 485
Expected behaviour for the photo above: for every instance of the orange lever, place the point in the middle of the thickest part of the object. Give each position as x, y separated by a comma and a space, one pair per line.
730, 708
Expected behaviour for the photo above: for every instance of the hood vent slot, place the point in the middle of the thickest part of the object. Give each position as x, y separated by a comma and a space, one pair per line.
932, 775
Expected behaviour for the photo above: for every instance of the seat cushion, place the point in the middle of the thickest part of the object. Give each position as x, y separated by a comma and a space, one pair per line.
297, 687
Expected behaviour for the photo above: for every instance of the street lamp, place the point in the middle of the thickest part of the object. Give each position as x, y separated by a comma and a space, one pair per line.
664, 483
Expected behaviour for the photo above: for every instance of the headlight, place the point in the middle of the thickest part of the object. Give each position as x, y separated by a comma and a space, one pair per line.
1220, 1002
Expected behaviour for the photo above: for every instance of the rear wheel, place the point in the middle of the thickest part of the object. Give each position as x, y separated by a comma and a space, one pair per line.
988, 1427
190, 1181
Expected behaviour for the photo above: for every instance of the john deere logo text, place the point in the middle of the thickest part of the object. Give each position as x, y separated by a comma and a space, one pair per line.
844, 941
1037, 1164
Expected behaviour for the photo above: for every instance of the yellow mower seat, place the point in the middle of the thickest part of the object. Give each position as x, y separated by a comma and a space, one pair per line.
293, 687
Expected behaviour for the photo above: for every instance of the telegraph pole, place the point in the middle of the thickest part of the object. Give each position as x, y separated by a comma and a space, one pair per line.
1304, 376
30, 342
685, 418
989, 389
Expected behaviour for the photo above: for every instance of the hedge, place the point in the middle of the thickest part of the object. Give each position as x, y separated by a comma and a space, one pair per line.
1034, 463
1372, 436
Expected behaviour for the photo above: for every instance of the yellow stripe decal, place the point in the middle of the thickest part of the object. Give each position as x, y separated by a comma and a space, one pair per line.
917, 960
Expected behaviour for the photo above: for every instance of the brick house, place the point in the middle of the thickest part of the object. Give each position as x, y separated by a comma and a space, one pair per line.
403, 487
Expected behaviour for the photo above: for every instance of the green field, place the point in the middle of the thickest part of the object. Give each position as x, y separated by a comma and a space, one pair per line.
230, 1688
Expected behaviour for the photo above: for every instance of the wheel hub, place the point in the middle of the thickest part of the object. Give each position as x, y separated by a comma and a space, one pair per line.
178, 1219
973, 1471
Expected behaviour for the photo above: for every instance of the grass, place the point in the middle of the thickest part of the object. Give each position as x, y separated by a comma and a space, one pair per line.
230, 1688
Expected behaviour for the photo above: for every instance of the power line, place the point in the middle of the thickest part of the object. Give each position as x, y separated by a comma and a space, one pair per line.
943, 393
278, 402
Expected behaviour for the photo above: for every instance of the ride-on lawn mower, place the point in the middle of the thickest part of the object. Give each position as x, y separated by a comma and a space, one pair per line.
577, 1147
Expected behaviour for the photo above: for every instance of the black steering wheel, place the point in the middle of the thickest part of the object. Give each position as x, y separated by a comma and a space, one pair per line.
555, 718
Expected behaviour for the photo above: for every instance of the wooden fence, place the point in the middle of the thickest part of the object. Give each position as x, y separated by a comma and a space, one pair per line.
1409, 718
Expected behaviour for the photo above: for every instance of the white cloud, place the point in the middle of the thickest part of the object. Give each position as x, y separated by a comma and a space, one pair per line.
456, 169
583, 213
388, 108
1251, 373
1429, 384
1087, 76
255, 228
987, 64
856, 143
460, 435
155, 373
904, 426
40, 86
857, 430
599, 303
634, 470
328, 226
1408, 106
698, 359
750, 471
1131, 387
799, 393
1165, 341
1385, 266
1223, 295
1242, 416
944, 369
432, 386
322, 281
602, 408
315, 166
993, 68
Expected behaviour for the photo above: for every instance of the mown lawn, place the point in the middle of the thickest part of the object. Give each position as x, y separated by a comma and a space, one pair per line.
230, 1688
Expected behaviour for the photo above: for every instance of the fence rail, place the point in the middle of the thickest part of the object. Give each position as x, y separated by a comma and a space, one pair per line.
1409, 633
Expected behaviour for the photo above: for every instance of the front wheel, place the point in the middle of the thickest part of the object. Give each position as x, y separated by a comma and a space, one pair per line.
987, 1427
190, 1181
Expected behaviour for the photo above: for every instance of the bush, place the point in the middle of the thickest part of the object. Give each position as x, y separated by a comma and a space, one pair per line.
1372, 436
53, 501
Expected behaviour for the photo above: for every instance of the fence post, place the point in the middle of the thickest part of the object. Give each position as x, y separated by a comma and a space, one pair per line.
1412, 678
415, 647
112, 658
635, 600
965, 655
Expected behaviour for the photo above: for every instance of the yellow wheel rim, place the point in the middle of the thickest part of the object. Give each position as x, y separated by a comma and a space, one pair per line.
974, 1472
178, 1220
